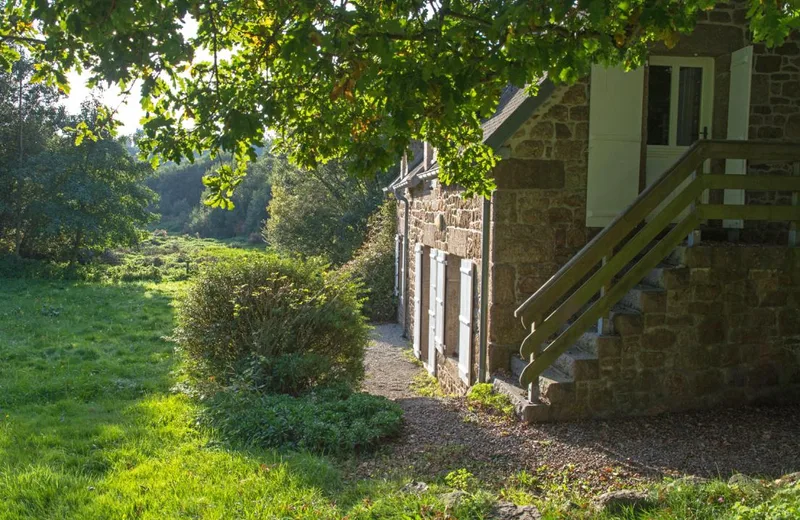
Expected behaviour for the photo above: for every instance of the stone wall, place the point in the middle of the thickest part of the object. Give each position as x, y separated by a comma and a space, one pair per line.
539, 207
774, 116
440, 217
725, 332
539, 211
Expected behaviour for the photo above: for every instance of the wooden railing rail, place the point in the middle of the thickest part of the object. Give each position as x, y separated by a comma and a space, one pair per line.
596, 265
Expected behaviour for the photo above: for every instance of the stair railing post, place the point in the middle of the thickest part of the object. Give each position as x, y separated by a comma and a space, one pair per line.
533, 386
694, 237
604, 324
793, 238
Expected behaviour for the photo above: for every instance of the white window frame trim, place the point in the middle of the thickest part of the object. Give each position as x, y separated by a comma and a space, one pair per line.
706, 100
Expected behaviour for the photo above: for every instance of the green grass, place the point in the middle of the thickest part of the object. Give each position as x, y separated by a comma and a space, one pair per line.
173, 258
92, 426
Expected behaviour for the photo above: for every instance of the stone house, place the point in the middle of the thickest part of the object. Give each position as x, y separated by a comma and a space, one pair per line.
637, 255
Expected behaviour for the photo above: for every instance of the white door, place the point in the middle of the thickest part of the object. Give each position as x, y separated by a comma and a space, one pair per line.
738, 121
465, 322
432, 314
441, 287
418, 259
680, 101
615, 142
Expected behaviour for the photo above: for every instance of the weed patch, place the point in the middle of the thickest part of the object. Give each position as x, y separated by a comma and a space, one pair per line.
482, 396
425, 385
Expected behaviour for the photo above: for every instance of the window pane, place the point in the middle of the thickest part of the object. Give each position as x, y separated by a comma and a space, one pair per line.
689, 98
658, 97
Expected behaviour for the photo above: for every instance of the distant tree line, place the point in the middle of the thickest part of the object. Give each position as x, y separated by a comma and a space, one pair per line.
66, 197
314, 213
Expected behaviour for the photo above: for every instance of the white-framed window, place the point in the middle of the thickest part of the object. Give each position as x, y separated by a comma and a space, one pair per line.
680, 95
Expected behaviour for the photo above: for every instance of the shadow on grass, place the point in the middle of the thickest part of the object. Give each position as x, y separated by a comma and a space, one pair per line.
89, 426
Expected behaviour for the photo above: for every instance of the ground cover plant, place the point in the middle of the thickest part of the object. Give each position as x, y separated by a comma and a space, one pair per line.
482, 396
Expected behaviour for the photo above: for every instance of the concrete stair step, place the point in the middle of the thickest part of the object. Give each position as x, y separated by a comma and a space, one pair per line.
645, 298
578, 364
625, 321
517, 366
668, 277
556, 387
600, 345
525, 409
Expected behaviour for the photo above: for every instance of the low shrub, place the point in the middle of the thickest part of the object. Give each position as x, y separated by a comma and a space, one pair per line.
373, 264
277, 324
331, 420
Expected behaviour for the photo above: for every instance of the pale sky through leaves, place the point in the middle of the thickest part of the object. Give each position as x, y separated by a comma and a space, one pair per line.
128, 110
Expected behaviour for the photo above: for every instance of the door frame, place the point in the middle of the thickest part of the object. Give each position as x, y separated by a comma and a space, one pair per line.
706, 104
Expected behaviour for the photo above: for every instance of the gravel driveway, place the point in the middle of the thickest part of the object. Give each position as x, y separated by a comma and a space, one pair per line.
441, 435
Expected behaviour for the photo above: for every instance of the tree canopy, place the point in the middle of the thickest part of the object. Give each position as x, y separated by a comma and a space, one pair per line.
342, 78
60, 200
322, 212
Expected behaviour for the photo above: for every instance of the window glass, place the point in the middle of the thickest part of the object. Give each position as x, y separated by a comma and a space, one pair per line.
658, 99
689, 98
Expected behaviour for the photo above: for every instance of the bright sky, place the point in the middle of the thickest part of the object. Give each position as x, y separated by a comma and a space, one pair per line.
128, 110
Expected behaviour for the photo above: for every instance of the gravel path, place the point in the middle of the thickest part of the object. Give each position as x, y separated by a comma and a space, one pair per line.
441, 435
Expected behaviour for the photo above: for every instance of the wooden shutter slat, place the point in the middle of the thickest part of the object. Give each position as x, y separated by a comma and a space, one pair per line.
431, 364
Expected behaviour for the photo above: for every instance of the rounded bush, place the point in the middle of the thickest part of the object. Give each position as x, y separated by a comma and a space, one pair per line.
280, 325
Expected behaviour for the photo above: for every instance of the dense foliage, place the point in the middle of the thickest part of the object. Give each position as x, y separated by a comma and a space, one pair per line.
335, 79
330, 420
63, 197
374, 264
180, 190
274, 324
321, 212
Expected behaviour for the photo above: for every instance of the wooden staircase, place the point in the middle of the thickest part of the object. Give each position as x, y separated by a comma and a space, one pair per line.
604, 293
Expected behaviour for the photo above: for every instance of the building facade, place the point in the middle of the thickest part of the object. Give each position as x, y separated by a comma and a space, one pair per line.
716, 322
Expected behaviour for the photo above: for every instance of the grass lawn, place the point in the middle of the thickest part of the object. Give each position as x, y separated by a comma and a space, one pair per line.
91, 427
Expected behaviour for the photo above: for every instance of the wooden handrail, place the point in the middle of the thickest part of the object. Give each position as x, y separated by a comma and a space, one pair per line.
597, 264
579, 265
591, 254
603, 275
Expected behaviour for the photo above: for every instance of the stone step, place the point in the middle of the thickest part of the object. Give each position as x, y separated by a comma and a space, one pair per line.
578, 364
556, 387
600, 345
625, 321
517, 366
668, 277
551, 377
677, 256
525, 410
645, 298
